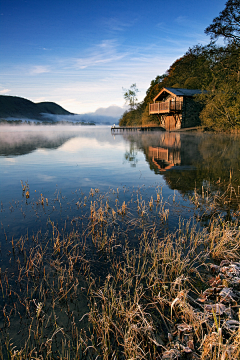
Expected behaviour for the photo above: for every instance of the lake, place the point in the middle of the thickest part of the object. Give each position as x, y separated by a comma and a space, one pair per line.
96, 227
63, 164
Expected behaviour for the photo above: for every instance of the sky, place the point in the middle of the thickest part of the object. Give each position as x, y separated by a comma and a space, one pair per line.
82, 54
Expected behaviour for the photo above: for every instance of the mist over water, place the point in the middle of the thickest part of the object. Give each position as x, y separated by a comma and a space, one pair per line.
87, 118
102, 116
64, 164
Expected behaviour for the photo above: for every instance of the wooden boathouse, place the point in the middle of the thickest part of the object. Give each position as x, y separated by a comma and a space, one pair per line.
176, 108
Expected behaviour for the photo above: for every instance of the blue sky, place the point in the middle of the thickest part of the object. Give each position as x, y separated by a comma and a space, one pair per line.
80, 54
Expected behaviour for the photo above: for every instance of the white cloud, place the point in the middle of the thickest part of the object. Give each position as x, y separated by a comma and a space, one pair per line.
82, 84
114, 24
39, 69
102, 53
5, 91
40, 99
42, 151
182, 20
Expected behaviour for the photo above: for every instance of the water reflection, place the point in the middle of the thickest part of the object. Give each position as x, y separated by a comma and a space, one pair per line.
196, 163
164, 151
25, 142
211, 155
167, 155
22, 140
70, 158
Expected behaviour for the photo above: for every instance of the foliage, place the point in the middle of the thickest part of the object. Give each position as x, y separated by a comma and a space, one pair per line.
222, 109
221, 102
190, 71
130, 96
227, 24
213, 68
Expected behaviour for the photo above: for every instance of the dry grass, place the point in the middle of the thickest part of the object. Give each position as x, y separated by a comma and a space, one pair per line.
96, 294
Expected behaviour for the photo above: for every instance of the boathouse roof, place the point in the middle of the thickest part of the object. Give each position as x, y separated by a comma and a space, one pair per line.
179, 92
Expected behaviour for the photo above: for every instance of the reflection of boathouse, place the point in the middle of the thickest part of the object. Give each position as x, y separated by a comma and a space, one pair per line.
164, 159
166, 155
176, 108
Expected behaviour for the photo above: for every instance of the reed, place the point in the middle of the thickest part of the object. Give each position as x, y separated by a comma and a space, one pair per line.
119, 287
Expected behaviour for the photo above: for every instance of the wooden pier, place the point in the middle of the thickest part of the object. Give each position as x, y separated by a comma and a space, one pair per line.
117, 130
120, 129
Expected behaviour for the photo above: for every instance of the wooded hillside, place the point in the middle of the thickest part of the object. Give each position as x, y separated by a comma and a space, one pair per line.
14, 106
213, 68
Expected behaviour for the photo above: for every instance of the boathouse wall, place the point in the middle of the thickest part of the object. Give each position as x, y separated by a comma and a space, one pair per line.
176, 108
190, 112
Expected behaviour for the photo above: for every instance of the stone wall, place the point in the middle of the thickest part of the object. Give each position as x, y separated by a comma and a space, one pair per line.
190, 113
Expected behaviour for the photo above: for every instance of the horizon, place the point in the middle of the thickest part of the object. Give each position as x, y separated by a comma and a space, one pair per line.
82, 55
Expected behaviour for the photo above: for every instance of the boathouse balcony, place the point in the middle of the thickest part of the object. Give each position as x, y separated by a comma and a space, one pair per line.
165, 107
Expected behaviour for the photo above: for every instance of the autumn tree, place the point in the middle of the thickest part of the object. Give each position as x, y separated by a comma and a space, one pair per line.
227, 24
222, 109
213, 68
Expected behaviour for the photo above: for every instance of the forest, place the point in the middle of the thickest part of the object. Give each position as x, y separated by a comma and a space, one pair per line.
214, 68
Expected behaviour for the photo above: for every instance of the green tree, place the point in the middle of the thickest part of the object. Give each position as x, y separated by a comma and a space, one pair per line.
227, 24
211, 67
130, 96
222, 109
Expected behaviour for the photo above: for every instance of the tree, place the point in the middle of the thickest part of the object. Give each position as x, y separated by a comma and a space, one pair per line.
222, 108
130, 96
227, 24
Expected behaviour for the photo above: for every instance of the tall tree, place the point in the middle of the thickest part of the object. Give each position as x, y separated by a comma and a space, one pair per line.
227, 24
130, 96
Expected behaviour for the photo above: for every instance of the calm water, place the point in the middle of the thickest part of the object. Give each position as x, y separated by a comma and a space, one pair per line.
66, 164
55, 174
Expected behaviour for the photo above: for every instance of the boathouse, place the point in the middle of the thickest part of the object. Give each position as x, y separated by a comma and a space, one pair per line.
176, 108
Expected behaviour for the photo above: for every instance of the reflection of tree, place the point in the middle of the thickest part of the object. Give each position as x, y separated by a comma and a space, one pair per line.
207, 163
212, 159
214, 181
161, 149
131, 155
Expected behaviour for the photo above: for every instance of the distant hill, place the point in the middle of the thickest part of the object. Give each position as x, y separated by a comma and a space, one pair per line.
17, 107
52, 108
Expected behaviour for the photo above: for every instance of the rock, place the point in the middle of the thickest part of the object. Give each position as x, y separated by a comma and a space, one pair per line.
235, 281
234, 269
224, 269
172, 354
212, 291
219, 308
214, 268
187, 350
209, 292
184, 328
190, 344
185, 332
215, 282
227, 295
231, 325
224, 262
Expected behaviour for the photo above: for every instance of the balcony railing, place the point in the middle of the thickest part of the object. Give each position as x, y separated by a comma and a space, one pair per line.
165, 107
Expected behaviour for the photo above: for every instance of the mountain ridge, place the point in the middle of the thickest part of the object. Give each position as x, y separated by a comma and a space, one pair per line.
14, 106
